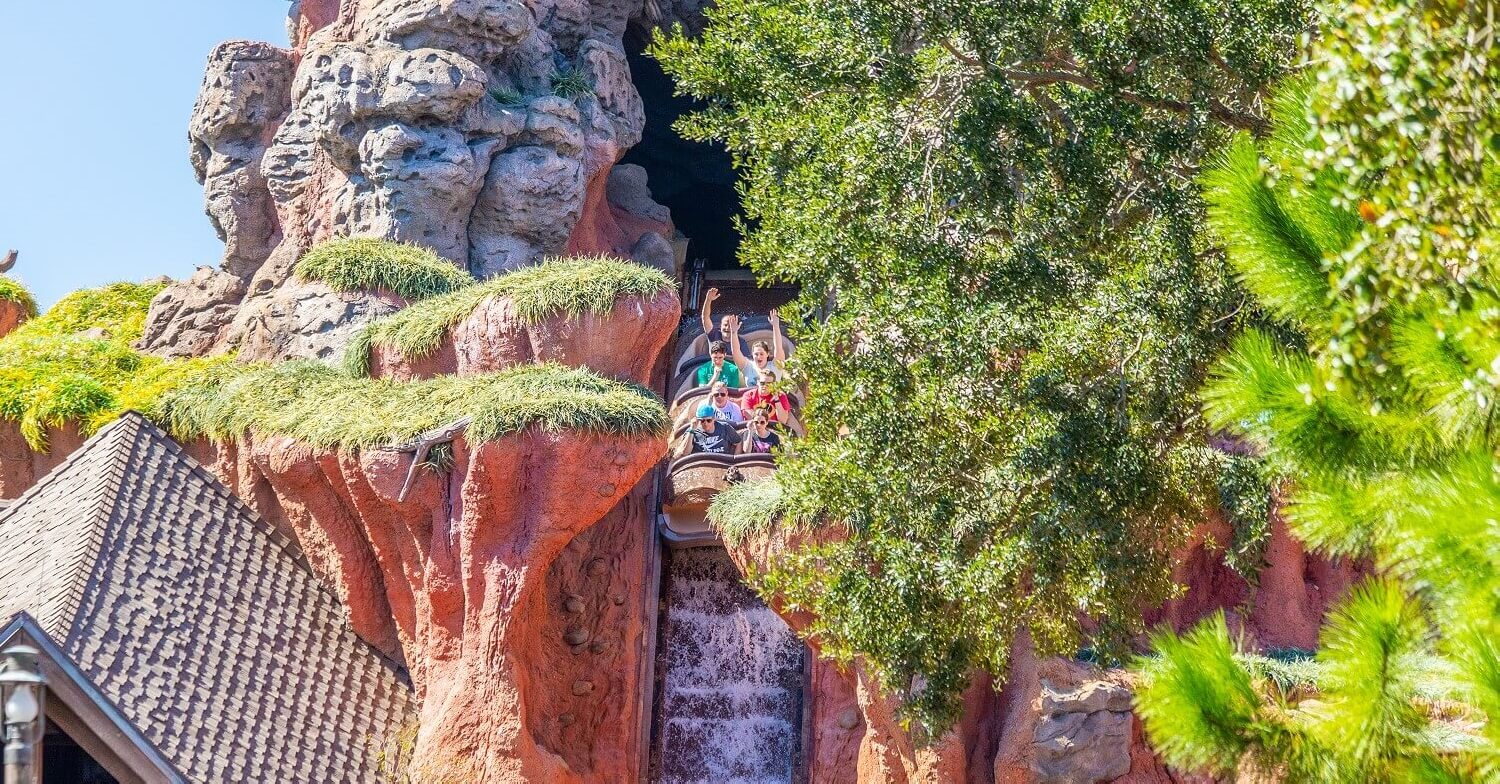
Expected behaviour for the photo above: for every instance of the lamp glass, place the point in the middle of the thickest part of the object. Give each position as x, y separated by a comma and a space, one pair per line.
21, 707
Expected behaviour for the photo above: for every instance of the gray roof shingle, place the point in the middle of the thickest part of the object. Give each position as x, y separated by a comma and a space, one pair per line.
198, 619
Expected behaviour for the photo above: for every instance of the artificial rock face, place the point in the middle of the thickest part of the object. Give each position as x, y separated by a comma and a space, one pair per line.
486, 130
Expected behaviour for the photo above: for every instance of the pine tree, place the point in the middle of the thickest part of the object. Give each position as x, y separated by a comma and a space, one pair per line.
1362, 224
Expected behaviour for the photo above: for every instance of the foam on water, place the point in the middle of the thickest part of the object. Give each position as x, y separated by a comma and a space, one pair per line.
729, 704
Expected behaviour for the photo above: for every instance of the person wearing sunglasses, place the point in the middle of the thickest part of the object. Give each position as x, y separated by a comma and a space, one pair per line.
777, 404
760, 439
709, 435
725, 410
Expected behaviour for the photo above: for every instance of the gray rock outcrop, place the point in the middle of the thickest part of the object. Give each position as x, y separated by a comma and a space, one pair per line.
484, 129
1083, 736
246, 93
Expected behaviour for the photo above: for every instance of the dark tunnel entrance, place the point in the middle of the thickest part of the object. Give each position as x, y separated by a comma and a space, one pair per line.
694, 180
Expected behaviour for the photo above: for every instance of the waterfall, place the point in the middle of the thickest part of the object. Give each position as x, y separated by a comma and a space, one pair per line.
730, 675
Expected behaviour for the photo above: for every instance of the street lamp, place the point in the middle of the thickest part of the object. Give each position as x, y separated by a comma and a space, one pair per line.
23, 692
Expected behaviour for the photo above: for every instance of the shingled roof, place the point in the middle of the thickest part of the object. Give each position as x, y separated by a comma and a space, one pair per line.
195, 618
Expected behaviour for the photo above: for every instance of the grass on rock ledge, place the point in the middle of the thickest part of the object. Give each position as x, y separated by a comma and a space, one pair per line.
562, 286
322, 406
75, 364
748, 509
364, 264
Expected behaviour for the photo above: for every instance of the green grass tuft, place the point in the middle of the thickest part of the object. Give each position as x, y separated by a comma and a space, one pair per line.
11, 290
321, 406
364, 264
570, 84
570, 286
506, 97
747, 509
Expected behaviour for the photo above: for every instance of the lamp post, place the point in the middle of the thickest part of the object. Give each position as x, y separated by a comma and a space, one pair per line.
23, 692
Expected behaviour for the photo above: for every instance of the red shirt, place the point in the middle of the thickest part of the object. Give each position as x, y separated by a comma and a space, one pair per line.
773, 400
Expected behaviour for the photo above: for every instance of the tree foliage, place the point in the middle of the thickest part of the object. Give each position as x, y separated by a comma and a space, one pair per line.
993, 210
1363, 222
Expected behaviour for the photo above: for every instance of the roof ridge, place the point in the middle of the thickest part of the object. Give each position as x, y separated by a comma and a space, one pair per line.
50, 477
287, 544
106, 499
109, 438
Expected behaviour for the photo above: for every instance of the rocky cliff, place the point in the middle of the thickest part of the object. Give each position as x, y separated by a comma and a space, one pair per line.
486, 130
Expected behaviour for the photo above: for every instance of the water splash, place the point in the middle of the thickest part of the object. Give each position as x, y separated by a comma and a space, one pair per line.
729, 705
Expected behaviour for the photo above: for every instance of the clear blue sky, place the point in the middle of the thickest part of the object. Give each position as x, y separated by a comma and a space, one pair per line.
95, 95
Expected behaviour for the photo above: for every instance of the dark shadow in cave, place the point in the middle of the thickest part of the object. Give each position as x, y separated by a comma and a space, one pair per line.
694, 180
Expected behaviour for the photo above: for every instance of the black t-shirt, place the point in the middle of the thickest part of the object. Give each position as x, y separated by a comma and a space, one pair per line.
718, 334
716, 443
758, 445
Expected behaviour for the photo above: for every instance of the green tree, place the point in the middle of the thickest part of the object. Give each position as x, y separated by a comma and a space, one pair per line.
1363, 222
992, 208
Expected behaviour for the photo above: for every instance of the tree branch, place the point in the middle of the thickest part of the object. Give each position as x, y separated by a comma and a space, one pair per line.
1218, 111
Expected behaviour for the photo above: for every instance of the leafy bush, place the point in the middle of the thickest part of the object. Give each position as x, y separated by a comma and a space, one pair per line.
570, 286
322, 406
364, 264
75, 362
992, 212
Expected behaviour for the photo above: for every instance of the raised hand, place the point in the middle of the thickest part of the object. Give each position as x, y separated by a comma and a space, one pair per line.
775, 319
712, 295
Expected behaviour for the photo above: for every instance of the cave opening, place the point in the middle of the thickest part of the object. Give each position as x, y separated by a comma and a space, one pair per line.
695, 180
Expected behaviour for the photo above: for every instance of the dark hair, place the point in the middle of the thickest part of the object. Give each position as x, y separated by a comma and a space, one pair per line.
717, 347
761, 344
766, 375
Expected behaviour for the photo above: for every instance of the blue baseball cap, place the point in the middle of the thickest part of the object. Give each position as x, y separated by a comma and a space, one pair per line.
706, 412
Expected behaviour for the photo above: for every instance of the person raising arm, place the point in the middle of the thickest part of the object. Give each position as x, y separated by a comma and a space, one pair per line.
763, 356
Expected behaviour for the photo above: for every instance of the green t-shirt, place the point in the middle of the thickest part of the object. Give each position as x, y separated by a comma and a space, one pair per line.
730, 376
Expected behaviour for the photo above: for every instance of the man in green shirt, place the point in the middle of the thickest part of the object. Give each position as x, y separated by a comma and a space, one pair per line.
718, 369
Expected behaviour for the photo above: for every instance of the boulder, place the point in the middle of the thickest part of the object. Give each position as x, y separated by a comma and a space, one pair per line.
187, 317
309, 320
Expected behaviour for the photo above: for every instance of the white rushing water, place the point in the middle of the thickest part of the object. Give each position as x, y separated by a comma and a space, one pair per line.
729, 708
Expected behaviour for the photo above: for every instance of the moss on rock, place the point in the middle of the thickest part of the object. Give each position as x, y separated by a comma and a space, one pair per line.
75, 364
363, 264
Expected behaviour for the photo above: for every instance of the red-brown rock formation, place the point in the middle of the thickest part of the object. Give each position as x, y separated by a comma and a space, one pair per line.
21, 466
455, 579
1283, 609
12, 315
